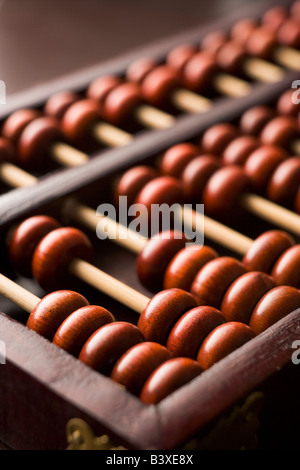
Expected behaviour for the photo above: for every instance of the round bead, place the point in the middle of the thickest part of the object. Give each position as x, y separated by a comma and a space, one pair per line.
178, 57
36, 140
52, 310
107, 344
54, 254
25, 239
261, 43
222, 341
295, 9
121, 102
139, 69
162, 312
254, 119
286, 269
190, 330
288, 33
78, 120
162, 190
231, 57
99, 89
242, 30
155, 257
196, 175
184, 266
274, 17
213, 41
266, 249
158, 85
261, 164
168, 378
239, 149
57, 104
135, 366
177, 157
286, 105
132, 182
199, 71
17, 121
75, 330
273, 306
213, 280
243, 294
284, 182
217, 137
222, 191
280, 130
7, 150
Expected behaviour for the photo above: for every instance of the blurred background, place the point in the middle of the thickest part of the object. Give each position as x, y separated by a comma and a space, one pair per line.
43, 39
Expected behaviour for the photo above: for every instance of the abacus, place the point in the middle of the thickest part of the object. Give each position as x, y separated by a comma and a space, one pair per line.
150, 340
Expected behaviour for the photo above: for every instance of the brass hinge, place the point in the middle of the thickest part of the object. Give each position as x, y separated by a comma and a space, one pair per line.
80, 436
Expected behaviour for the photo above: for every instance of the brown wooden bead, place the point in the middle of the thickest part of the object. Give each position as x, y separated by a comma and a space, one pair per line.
7, 150
288, 33
274, 17
295, 9
25, 239
17, 121
254, 119
286, 106
217, 137
274, 305
297, 202
222, 341
54, 254
52, 310
239, 149
191, 329
243, 294
178, 57
177, 157
261, 164
132, 182
101, 87
284, 182
199, 70
168, 378
266, 249
155, 257
135, 366
107, 344
139, 69
213, 280
36, 140
184, 266
75, 330
162, 190
162, 312
231, 57
121, 102
158, 85
286, 269
58, 103
222, 191
214, 41
242, 30
196, 175
261, 43
280, 130
78, 120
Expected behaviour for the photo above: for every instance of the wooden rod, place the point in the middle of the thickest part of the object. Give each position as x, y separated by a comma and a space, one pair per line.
108, 285
17, 294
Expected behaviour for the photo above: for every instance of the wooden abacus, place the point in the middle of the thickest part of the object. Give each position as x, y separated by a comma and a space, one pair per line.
194, 331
